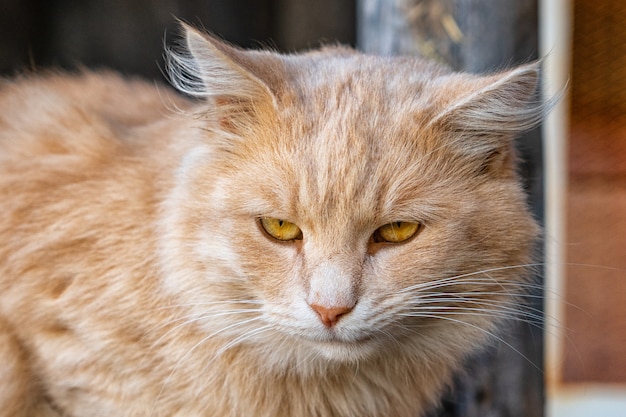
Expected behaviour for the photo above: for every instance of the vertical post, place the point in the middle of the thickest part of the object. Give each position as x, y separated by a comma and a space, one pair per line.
556, 37
476, 36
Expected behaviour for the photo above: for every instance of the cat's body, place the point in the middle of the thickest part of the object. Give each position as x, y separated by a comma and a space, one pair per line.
137, 275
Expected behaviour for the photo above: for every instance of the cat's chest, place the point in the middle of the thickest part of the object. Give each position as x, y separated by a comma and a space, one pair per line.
90, 382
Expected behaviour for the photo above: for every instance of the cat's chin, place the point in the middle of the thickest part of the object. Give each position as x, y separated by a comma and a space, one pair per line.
345, 351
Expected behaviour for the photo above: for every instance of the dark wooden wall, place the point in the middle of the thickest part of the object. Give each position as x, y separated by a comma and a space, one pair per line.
129, 35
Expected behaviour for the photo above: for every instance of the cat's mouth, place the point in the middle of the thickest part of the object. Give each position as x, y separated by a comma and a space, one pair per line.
334, 345
343, 350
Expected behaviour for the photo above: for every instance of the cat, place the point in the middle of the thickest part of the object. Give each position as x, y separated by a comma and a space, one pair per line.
317, 234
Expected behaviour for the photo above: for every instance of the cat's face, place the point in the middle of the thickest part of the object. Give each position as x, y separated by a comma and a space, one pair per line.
352, 207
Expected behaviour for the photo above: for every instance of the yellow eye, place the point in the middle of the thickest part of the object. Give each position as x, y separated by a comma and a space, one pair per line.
396, 232
281, 229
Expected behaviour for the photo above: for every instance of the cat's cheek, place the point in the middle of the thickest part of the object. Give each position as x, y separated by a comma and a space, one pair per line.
270, 268
212, 247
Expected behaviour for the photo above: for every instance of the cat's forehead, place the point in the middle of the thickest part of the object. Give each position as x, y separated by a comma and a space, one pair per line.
358, 116
358, 104
369, 79
341, 166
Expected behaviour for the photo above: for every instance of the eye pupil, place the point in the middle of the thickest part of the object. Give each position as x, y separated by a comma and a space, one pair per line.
281, 230
396, 232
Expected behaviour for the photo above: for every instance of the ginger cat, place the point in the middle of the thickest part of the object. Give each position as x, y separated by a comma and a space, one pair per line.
323, 234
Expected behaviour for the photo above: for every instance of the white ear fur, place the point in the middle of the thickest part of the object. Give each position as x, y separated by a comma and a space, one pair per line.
210, 68
498, 108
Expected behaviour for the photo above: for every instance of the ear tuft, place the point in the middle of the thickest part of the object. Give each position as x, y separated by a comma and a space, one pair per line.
495, 110
507, 104
207, 67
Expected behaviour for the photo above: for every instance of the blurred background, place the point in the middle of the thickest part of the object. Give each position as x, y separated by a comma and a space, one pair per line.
129, 35
587, 374
575, 172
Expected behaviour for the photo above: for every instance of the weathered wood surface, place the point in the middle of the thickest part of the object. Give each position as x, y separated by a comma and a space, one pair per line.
475, 36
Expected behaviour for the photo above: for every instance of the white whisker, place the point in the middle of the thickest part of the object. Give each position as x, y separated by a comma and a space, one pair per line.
471, 274
242, 338
454, 281
194, 318
450, 310
497, 304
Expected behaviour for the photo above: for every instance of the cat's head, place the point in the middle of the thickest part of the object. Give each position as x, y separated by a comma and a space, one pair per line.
347, 204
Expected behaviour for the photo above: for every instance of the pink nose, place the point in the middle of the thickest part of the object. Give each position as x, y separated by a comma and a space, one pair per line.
330, 316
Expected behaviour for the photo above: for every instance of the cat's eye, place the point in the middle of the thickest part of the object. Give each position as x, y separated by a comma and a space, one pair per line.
396, 232
281, 229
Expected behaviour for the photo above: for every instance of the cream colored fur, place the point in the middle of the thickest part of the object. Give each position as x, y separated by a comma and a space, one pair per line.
135, 279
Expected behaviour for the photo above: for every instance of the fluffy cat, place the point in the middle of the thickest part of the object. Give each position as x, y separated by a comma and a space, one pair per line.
323, 234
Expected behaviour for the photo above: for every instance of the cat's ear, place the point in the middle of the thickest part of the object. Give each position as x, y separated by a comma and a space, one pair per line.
210, 68
491, 111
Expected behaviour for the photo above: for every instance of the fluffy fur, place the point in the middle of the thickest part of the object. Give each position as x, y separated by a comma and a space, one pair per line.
135, 279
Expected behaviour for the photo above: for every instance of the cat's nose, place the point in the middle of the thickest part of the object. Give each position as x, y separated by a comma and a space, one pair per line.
330, 315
